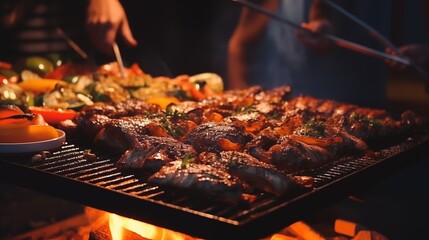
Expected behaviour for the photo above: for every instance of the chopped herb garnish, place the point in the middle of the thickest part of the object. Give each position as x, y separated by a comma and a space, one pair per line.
367, 121
180, 94
276, 114
246, 109
172, 130
187, 160
174, 113
313, 128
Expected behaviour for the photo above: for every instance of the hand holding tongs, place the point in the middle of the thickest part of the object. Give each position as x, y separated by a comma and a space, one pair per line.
345, 43
381, 39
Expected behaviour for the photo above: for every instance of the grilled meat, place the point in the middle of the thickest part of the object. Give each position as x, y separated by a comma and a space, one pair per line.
119, 135
122, 134
258, 175
247, 140
202, 180
129, 107
151, 153
217, 137
97, 116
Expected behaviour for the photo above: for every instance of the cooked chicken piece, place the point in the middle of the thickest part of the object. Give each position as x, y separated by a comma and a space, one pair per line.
288, 154
119, 135
258, 175
129, 107
201, 180
252, 122
275, 95
151, 153
216, 137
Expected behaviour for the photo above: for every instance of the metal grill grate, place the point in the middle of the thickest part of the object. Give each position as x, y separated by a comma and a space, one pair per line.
100, 184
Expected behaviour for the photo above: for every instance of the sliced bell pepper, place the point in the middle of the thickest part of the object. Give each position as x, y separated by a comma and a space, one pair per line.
7, 110
53, 116
41, 85
16, 121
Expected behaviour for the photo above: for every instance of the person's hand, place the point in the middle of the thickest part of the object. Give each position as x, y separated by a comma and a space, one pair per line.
105, 20
313, 40
418, 53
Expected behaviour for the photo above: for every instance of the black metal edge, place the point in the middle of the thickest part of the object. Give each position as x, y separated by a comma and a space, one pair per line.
361, 180
153, 212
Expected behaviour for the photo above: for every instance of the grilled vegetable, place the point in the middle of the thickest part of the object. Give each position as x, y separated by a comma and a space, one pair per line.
7, 110
16, 121
30, 133
41, 85
53, 116
36, 64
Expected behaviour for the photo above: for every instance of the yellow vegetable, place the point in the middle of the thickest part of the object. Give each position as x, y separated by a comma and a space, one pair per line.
32, 133
41, 85
163, 101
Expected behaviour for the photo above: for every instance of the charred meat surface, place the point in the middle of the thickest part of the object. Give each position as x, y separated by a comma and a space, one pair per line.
242, 141
201, 180
256, 174
119, 135
217, 137
151, 153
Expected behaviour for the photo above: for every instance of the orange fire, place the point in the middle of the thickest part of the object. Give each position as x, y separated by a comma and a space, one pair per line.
147, 231
118, 224
121, 226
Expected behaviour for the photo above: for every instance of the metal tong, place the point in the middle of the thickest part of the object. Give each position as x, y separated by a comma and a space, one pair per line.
340, 42
119, 60
381, 39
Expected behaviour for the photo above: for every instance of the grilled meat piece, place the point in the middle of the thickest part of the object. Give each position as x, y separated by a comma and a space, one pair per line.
151, 153
119, 135
288, 154
87, 129
334, 108
92, 119
258, 175
217, 137
291, 155
252, 122
275, 95
368, 128
202, 180
129, 107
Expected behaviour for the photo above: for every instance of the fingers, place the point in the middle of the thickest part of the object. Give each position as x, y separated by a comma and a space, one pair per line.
105, 20
313, 40
394, 64
102, 35
127, 35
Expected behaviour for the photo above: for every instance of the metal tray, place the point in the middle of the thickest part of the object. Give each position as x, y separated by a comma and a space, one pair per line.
98, 183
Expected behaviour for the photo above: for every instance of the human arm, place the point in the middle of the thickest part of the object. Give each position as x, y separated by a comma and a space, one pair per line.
105, 20
416, 52
320, 19
248, 31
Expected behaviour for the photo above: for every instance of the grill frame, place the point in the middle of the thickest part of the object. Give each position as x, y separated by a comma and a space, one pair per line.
99, 184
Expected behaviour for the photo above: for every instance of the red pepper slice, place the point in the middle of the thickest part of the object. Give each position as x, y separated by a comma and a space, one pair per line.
53, 116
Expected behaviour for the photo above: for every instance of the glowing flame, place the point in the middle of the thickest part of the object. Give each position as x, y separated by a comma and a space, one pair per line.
117, 224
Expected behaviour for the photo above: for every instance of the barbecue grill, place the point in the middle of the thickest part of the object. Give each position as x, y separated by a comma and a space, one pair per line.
68, 174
